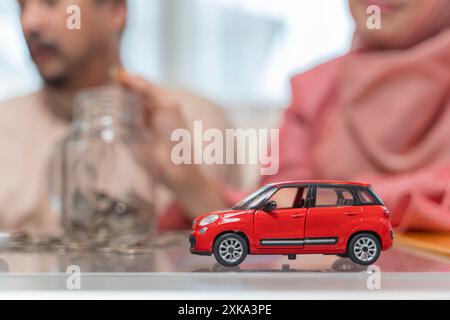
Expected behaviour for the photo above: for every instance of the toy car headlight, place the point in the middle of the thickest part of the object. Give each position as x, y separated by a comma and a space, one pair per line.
208, 220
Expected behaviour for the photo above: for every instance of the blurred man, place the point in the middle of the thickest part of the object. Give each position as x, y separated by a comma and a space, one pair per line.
71, 60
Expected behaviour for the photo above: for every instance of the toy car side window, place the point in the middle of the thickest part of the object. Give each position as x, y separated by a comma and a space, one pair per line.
365, 197
334, 197
289, 197
301, 198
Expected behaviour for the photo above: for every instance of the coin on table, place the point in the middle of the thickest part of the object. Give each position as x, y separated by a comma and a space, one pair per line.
133, 250
104, 249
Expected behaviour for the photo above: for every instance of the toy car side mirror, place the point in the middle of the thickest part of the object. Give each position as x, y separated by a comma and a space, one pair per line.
270, 206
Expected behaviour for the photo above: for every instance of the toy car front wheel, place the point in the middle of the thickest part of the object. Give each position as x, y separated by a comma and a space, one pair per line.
230, 249
364, 249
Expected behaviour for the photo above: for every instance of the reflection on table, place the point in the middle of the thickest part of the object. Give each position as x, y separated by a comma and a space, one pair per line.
173, 256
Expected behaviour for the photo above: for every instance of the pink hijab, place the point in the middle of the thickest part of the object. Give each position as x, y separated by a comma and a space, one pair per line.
391, 123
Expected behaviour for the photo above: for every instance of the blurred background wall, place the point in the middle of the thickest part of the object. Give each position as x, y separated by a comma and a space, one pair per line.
237, 52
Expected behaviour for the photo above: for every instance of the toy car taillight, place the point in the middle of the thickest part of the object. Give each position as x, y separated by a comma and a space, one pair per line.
387, 213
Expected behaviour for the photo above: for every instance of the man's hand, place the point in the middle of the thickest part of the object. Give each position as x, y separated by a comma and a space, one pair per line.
163, 114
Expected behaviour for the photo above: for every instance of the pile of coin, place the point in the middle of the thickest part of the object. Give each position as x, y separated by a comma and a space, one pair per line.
102, 216
130, 244
102, 224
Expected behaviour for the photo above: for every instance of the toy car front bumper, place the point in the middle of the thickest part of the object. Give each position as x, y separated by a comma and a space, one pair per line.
193, 247
192, 241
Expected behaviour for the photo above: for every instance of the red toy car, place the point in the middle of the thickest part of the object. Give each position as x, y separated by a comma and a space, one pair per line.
302, 217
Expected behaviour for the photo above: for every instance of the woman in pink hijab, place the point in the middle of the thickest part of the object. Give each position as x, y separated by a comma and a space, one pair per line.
381, 113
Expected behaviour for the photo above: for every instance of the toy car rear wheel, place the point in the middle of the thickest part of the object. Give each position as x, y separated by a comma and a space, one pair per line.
364, 249
230, 249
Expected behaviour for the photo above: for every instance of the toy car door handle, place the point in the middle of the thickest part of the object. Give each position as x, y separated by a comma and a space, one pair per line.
351, 214
298, 215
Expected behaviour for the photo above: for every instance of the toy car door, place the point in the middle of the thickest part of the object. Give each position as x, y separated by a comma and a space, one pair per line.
283, 225
334, 214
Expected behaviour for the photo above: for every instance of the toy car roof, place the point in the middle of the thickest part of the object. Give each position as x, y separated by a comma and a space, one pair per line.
320, 182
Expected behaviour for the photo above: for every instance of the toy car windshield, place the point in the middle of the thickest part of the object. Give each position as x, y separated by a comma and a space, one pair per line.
246, 202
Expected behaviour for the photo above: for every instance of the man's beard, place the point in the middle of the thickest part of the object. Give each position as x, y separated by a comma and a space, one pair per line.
58, 82
36, 39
